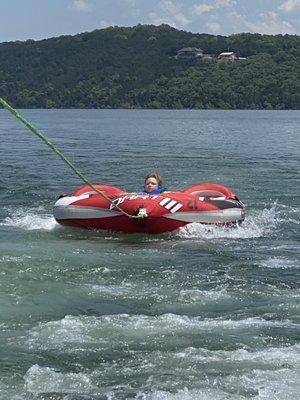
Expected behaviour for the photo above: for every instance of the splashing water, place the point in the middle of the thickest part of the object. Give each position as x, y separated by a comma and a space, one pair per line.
47, 380
259, 224
29, 219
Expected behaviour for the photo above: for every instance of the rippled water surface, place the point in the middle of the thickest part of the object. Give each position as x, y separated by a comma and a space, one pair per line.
204, 313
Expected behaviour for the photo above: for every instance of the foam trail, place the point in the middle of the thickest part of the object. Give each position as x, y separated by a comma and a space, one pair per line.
281, 263
119, 327
256, 225
47, 380
29, 219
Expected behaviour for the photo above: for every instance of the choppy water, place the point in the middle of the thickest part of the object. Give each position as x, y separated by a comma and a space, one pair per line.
203, 313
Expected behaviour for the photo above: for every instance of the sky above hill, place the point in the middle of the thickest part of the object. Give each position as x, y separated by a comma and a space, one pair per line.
39, 19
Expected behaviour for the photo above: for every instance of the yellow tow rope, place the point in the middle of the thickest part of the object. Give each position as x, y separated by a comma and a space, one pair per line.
37, 133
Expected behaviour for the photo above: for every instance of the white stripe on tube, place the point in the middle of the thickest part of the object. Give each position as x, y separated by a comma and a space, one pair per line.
176, 208
164, 201
171, 204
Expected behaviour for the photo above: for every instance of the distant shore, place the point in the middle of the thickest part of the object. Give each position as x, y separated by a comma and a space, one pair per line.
152, 67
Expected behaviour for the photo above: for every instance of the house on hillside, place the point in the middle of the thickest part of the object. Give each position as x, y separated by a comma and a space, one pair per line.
208, 57
227, 56
189, 53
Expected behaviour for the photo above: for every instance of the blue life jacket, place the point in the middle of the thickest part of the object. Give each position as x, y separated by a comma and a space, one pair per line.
159, 190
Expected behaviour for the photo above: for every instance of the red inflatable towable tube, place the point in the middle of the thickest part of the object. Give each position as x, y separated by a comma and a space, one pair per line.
206, 203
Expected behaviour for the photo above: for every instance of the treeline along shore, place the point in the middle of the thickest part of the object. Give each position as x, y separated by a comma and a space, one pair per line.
152, 67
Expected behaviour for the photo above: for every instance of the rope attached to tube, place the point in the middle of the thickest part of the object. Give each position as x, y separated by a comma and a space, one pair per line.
41, 136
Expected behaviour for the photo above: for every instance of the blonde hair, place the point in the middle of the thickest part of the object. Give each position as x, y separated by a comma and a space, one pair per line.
156, 176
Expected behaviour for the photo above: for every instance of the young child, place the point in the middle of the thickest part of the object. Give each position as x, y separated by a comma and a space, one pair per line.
153, 184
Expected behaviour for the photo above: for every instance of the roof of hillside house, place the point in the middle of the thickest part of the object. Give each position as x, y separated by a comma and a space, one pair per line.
227, 53
190, 49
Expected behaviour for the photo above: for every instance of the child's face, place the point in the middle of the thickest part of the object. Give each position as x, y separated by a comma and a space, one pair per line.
151, 184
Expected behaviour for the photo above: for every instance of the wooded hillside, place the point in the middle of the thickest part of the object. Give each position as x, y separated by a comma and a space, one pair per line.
136, 67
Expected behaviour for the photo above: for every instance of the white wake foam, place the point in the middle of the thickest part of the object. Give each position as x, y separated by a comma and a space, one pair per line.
47, 380
29, 219
281, 263
116, 328
257, 224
